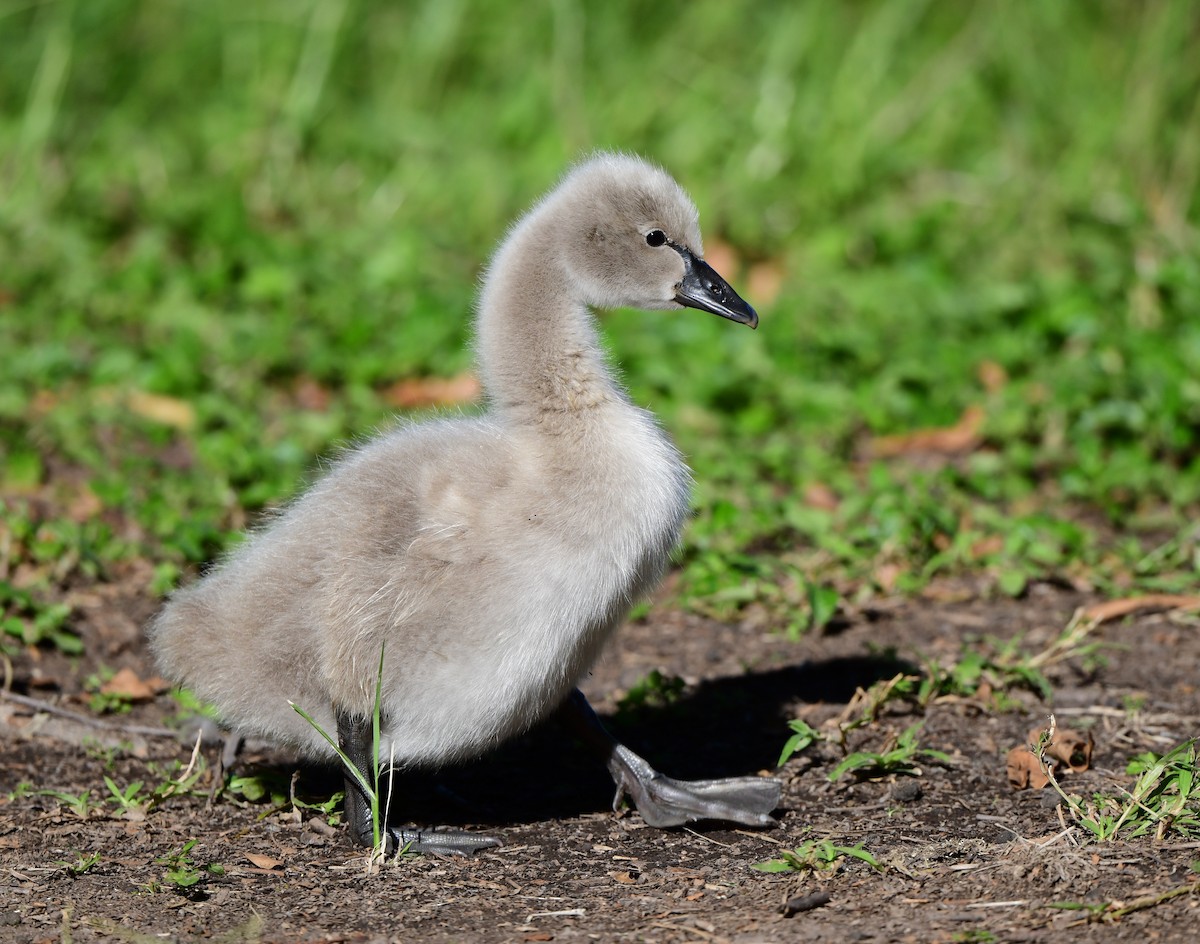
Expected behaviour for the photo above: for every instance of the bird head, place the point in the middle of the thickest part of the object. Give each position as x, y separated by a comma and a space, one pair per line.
629, 236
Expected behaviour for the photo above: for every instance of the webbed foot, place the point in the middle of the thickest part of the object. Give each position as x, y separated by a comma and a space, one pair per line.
664, 801
437, 841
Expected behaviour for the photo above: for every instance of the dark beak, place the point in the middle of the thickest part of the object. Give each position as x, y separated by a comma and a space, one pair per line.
702, 288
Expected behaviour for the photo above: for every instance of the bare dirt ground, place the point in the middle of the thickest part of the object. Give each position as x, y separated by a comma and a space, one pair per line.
965, 858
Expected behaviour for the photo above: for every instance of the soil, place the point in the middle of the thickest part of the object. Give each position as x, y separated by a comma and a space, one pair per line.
964, 857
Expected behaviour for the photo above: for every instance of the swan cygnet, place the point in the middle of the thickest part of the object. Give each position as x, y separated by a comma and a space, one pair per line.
489, 558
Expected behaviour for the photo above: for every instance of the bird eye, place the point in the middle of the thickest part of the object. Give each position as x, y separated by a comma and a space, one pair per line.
656, 237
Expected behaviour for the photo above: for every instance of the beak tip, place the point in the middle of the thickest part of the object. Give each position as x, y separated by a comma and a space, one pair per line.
702, 288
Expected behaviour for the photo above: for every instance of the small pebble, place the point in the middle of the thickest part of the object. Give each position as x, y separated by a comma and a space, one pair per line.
805, 903
907, 791
319, 826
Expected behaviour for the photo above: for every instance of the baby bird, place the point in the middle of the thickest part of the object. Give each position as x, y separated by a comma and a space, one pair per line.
489, 558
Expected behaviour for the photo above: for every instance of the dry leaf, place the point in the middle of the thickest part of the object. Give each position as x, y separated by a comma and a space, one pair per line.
1067, 748
432, 391
126, 684
947, 591
85, 505
310, 395
819, 495
1070, 747
992, 376
886, 575
1112, 609
763, 282
724, 258
169, 411
1024, 770
963, 436
993, 544
264, 861
43, 402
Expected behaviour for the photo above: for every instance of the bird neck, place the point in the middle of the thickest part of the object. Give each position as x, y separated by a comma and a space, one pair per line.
536, 339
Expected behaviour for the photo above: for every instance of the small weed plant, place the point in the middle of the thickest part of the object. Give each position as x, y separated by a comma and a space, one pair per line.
899, 758
1114, 910
900, 752
280, 791
804, 736
82, 864
104, 754
177, 780
27, 620
129, 801
817, 855
102, 702
370, 787
986, 671
80, 804
256, 787
134, 800
182, 870
655, 690
1164, 799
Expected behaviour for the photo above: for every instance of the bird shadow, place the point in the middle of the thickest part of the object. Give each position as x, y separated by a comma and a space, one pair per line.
729, 726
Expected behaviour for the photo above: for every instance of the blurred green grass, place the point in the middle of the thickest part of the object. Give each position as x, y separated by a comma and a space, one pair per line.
969, 205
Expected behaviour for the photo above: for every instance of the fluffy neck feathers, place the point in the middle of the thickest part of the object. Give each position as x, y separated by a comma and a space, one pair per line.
536, 339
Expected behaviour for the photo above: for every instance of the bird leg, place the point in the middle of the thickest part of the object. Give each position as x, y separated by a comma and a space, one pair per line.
354, 738
661, 800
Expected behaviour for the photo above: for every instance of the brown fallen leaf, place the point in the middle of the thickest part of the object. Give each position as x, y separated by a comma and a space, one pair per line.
432, 391
1067, 749
764, 282
992, 376
1112, 609
985, 547
1070, 747
1024, 770
947, 591
170, 411
43, 402
311, 395
819, 495
963, 436
127, 684
85, 505
264, 861
724, 258
886, 575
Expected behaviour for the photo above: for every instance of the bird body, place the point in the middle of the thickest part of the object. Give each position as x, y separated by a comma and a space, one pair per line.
490, 557
491, 568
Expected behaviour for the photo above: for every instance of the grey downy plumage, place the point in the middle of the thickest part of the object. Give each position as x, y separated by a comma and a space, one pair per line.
492, 556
